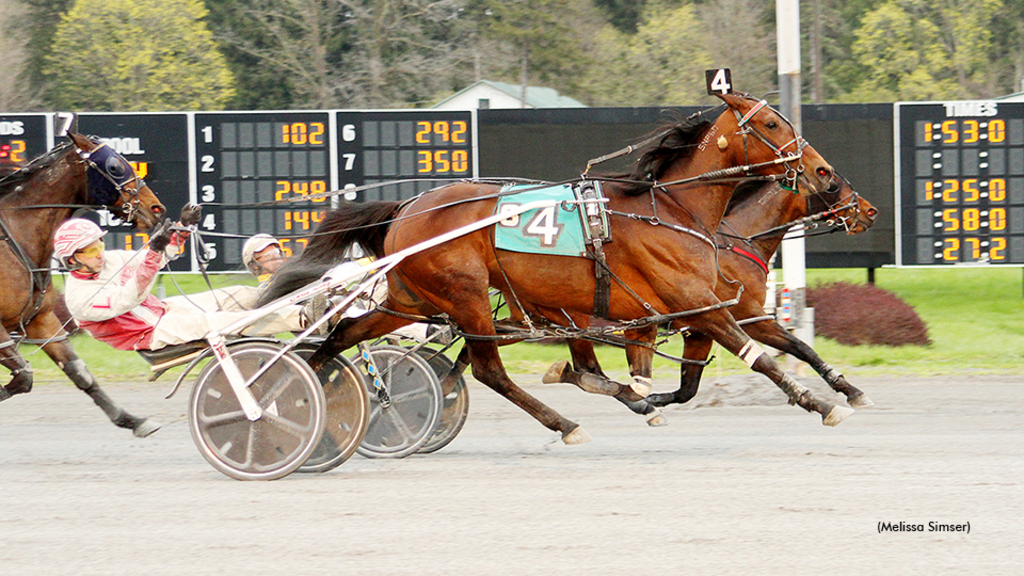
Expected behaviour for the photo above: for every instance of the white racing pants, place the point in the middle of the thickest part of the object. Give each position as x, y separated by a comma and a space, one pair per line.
191, 317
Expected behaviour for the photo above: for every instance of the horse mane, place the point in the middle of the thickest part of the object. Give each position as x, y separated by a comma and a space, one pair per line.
677, 141
11, 178
746, 191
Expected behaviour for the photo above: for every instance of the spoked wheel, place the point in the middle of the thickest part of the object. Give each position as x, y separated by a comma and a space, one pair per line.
404, 417
348, 411
455, 408
279, 441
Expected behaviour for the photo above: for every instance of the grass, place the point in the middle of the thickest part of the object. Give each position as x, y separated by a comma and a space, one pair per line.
975, 318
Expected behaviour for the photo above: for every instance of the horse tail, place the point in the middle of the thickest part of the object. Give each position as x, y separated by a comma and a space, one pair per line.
364, 223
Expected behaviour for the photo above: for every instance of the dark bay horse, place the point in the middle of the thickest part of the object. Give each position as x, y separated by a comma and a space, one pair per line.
34, 201
662, 259
755, 221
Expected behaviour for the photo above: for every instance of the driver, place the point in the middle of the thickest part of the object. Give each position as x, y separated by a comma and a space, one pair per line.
109, 292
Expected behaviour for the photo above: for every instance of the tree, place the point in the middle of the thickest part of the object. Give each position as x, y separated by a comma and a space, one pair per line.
917, 50
662, 64
137, 55
21, 95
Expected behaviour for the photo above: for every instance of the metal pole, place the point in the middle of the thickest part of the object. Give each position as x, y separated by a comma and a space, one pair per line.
787, 15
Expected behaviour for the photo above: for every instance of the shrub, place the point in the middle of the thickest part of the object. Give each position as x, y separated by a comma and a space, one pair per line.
855, 314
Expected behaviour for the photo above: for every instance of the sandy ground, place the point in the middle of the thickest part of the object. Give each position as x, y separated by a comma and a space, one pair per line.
738, 483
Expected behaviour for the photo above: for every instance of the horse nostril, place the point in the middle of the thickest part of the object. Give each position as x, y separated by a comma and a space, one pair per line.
823, 172
872, 212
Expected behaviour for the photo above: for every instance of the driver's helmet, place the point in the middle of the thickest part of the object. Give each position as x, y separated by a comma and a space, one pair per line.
254, 245
72, 236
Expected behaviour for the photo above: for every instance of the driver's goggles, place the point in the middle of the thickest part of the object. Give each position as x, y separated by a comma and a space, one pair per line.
92, 251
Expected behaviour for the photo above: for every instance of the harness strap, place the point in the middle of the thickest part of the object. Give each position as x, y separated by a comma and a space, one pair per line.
750, 114
750, 255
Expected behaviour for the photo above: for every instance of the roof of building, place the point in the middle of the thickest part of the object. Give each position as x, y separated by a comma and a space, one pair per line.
536, 96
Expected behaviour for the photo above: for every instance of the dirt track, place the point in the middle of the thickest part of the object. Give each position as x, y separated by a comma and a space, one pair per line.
738, 483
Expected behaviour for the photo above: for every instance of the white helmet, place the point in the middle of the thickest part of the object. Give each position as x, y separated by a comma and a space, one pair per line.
252, 246
74, 235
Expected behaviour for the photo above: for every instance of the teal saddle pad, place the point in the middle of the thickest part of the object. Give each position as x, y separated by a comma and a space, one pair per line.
552, 230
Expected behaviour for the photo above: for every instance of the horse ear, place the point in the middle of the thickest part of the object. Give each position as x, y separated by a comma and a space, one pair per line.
82, 142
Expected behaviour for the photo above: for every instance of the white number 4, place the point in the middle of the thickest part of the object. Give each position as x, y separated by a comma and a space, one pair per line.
719, 80
545, 226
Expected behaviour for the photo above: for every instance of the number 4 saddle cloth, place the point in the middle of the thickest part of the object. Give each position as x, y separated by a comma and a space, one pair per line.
566, 229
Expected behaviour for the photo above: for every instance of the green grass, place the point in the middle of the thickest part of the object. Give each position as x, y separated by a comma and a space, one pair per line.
975, 318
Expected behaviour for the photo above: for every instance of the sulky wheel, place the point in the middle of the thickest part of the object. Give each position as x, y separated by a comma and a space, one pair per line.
456, 403
289, 428
404, 416
348, 411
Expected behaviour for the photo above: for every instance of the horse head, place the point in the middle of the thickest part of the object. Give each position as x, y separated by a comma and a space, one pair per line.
764, 139
112, 182
849, 210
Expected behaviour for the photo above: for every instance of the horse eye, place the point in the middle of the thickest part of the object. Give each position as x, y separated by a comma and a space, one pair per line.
771, 125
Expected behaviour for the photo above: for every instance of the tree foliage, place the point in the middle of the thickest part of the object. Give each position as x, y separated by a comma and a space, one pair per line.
137, 55
151, 54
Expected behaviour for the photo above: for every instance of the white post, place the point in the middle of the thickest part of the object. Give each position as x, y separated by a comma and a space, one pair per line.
794, 273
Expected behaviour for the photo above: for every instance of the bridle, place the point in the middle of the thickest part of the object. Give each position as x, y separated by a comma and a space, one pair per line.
108, 177
745, 129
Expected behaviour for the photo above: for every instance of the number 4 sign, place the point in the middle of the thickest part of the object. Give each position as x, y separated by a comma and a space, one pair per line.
719, 81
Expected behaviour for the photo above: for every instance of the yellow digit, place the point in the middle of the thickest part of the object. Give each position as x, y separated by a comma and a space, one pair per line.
318, 217
460, 161
998, 245
971, 192
17, 148
285, 249
975, 247
949, 129
128, 242
303, 241
950, 253
286, 188
441, 159
301, 188
927, 133
972, 219
288, 220
141, 168
318, 187
442, 129
997, 219
459, 134
314, 136
423, 133
949, 193
299, 133
970, 131
302, 217
996, 131
949, 217
286, 134
997, 190
426, 162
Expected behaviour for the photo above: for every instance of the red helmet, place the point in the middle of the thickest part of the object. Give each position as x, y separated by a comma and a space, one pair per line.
74, 235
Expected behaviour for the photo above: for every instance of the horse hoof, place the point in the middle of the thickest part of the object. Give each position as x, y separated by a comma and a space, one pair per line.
641, 386
861, 401
656, 419
145, 428
836, 415
554, 374
577, 436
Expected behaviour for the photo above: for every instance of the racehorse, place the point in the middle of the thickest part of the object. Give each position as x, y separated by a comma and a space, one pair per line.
34, 201
662, 259
755, 221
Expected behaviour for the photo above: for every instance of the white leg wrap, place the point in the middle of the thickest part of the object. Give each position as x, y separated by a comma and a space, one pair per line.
750, 352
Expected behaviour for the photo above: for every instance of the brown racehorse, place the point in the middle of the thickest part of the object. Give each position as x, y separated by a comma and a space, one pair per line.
755, 221
662, 259
34, 201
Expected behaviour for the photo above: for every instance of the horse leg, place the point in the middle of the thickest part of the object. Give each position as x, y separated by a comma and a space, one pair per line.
774, 335
351, 331
696, 346
721, 326
586, 373
45, 326
21, 372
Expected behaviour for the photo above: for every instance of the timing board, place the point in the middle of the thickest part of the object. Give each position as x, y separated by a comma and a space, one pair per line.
959, 183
